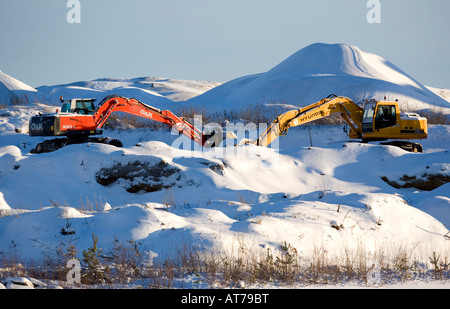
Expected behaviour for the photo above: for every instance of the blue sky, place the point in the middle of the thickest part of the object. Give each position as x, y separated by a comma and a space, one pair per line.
212, 40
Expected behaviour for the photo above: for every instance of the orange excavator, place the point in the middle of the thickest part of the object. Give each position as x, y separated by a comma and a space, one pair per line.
79, 120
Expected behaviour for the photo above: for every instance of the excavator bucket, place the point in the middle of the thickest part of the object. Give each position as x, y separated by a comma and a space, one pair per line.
217, 136
278, 127
247, 141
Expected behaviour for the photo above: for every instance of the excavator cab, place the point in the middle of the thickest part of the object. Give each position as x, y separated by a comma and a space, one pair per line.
384, 121
379, 116
78, 106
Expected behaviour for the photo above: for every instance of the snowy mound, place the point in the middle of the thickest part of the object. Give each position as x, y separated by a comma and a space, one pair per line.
318, 70
12, 90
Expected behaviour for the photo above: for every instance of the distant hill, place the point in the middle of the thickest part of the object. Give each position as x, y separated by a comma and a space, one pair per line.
158, 92
13, 91
307, 76
318, 70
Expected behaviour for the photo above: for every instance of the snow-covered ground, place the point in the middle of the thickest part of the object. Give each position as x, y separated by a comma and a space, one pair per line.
216, 199
316, 191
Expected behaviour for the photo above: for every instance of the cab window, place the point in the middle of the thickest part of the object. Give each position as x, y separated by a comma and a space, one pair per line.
385, 117
369, 112
84, 107
65, 108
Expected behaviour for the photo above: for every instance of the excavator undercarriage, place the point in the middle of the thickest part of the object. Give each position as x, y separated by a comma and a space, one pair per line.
57, 143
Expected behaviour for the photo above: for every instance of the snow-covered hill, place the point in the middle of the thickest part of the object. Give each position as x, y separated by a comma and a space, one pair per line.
163, 93
14, 91
318, 70
307, 76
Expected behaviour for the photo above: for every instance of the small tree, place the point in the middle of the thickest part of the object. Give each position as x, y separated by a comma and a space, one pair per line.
95, 271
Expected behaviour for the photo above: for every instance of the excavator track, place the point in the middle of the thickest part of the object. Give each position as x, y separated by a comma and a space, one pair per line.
408, 146
57, 143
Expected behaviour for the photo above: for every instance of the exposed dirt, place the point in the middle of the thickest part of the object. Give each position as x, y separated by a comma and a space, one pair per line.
140, 176
427, 182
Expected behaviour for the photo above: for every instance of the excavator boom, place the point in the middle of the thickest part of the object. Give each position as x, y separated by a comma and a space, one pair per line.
351, 112
133, 106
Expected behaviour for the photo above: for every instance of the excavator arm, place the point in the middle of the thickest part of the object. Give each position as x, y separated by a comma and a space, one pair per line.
133, 106
350, 112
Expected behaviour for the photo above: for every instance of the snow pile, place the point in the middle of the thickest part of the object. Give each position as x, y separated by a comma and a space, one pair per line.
14, 91
318, 70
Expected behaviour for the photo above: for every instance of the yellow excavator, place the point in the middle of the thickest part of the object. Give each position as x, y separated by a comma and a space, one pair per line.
374, 121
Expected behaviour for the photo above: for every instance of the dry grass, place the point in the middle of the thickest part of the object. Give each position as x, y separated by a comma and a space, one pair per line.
240, 267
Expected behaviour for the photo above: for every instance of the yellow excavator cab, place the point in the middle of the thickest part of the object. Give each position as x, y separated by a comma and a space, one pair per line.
383, 120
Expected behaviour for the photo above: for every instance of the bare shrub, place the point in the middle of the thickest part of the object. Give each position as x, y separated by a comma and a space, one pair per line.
436, 116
